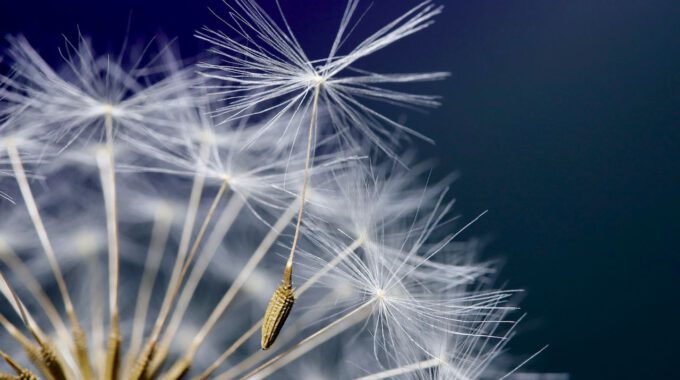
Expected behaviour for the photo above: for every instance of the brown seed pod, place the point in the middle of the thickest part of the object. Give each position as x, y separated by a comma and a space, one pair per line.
52, 362
22, 373
141, 365
27, 375
81, 352
277, 312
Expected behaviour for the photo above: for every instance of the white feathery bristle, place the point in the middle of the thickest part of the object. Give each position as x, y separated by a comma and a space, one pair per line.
262, 65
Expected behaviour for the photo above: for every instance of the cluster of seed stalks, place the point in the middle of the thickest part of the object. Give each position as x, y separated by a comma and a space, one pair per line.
369, 243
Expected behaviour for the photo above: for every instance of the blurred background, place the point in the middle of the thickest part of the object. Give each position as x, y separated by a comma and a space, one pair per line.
562, 119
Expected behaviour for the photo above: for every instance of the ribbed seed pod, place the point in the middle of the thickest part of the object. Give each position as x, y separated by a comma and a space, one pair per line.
27, 375
52, 362
113, 352
160, 354
141, 366
22, 373
277, 312
81, 353
178, 370
33, 354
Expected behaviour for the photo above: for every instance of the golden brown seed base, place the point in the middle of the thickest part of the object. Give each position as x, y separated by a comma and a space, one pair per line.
277, 312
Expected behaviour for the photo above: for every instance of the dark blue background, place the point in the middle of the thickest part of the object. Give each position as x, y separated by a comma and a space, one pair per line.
563, 119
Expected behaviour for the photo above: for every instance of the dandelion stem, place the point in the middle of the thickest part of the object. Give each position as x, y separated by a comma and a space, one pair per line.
175, 287
19, 308
107, 169
36, 218
98, 339
108, 179
222, 227
240, 280
305, 183
283, 299
217, 363
10, 258
187, 230
204, 226
320, 336
159, 237
216, 237
34, 213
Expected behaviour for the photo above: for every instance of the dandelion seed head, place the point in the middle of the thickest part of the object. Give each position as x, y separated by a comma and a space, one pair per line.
154, 208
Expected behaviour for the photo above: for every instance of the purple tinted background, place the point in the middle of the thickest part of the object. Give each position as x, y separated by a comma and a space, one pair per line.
562, 118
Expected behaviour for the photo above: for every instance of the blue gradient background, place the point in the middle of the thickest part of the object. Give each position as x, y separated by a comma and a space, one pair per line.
562, 118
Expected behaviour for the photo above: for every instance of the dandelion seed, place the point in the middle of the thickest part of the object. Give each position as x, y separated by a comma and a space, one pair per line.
265, 64
277, 311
